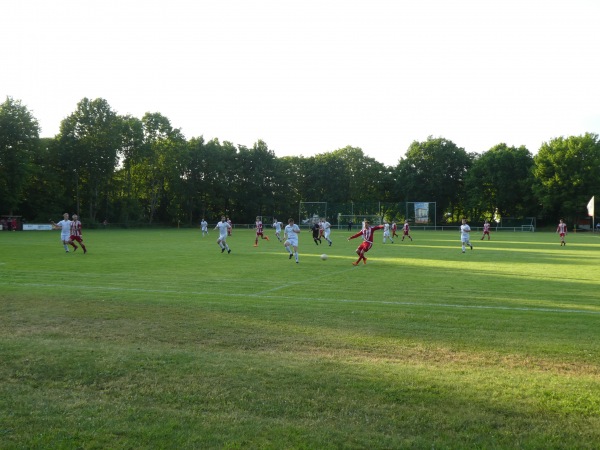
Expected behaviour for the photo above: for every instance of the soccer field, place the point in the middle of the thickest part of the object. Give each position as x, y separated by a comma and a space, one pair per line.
156, 339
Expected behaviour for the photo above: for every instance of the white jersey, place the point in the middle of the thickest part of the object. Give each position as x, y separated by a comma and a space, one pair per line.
386, 229
277, 226
326, 229
465, 231
204, 225
65, 229
291, 231
223, 228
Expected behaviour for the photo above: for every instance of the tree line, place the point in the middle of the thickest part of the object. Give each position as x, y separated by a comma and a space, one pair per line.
127, 170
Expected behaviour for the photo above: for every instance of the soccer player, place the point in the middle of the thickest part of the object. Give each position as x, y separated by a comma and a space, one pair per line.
230, 226
223, 228
465, 235
259, 231
277, 225
315, 233
394, 228
76, 234
367, 243
406, 230
386, 232
321, 228
204, 226
562, 232
291, 238
65, 231
326, 227
486, 230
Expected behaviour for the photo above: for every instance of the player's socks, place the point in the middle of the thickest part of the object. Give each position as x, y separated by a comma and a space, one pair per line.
75, 248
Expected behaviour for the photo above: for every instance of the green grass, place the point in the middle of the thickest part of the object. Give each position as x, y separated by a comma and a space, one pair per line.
155, 339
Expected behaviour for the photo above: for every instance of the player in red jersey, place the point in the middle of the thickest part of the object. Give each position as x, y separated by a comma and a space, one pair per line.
406, 230
76, 234
367, 234
486, 230
394, 229
259, 232
562, 232
230, 223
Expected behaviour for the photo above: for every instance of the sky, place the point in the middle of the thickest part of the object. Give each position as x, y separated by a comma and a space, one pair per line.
310, 77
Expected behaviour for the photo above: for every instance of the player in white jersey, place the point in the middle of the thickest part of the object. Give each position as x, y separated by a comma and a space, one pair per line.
465, 235
326, 227
204, 226
223, 228
386, 232
65, 231
277, 225
291, 238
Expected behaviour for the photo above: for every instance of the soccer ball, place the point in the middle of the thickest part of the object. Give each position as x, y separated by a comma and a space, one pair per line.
323, 256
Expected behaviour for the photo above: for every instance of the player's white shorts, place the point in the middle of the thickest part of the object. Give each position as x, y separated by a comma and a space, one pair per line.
292, 241
465, 239
65, 237
327, 233
222, 237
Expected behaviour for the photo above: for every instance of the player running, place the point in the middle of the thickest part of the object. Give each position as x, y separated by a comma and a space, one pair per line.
65, 231
406, 230
367, 234
394, 229
259, 231
326, 226
486, 230
76, 234
223, 228
386, 232
291, 238
277, 225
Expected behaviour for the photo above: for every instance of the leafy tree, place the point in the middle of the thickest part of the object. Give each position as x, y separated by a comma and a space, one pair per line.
158, 172
365, 178
255, 181
501, 179
132, 151
434, 170
43, 196
19, 141
566, 175
89, 140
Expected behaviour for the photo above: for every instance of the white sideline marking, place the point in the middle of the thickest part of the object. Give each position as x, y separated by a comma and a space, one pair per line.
311, 299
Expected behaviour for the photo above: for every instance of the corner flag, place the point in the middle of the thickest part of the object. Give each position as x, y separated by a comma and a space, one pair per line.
590, 207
